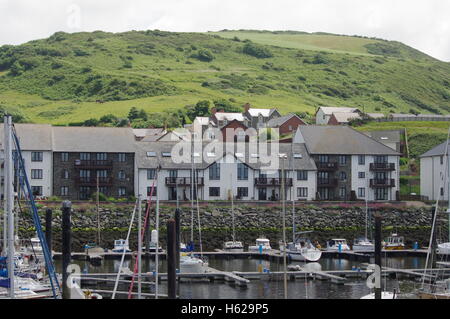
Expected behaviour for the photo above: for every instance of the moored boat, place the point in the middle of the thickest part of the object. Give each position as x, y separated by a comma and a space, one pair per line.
363, 244
337, 244
262, 244
394, 242
121, 245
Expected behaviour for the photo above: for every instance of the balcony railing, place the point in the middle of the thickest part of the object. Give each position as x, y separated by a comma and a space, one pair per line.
382, 183
93, 164
330, 182
183, 181
92, 181
330, 166
382, 166
262, 181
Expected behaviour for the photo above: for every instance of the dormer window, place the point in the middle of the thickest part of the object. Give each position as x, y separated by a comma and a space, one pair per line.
166, 154
151, 154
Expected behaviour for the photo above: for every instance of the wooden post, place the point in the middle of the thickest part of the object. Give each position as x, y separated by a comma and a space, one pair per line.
177, 236
48, 229
378, 252
171, 259
66, 245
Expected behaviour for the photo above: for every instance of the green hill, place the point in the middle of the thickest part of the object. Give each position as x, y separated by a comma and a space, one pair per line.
73, 77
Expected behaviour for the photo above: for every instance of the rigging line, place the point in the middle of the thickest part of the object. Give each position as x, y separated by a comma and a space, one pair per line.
436, 210
130, 290
199, 225
124, 252
33, 209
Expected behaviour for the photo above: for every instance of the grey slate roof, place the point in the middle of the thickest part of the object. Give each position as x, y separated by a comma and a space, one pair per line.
278, 121
393, 136
303, 163
437, 150
341, 140
32, 137
93, 139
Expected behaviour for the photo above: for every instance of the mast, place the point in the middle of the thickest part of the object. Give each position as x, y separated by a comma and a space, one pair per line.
293, 194
9, 199
283, 199
192, 190
98, 212
140, 246
157, 238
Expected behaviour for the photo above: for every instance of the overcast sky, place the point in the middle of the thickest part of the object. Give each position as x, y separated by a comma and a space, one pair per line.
422, 24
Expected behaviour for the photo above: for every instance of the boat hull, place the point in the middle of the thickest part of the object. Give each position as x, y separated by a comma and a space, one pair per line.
363, 248
308, 256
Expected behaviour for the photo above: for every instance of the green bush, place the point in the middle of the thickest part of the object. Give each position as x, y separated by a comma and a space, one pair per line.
257, 51
204, 55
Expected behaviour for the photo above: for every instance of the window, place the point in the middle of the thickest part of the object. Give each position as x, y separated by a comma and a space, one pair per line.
302, 192
85, 173
242, 172
103, 190
151, 173
173, 173
214, 171
102, 173
36, 190
64, 191
36, 174
324, 159
381, 159
361, 192
122, 157
64, 157
297, 155
122, 191
442, 160
342, 192
149, 191
343, 176
85, 156
65, 174
442, 191
342, 160
242, 192
85, 192
361, 159
361, 174
121, 175
166, 154
36, 156
381, 193
302, 175
102, 156
214, 191
151, 154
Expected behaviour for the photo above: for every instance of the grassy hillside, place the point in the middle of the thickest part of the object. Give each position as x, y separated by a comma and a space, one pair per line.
422, 136
73, 77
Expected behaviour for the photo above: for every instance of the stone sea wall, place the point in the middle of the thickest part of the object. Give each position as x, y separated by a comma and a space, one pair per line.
250, 222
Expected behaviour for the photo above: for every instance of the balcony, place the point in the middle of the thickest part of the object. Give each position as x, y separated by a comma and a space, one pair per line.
382, 167
183, 181
93, 164
92, 181
330, 182
262, 181
330, 166
382, 183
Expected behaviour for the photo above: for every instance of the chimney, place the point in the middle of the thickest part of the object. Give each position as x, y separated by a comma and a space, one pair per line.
246, 107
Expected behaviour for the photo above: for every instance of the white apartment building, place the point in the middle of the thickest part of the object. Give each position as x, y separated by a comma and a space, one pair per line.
36, 145
433, 182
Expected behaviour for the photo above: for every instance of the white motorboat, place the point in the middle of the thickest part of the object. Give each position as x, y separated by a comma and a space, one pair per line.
262, 244
192, 265
233, 246
384, 295
302, 250
337, 244
36, 247
443, 249
394, 242
121, 245
153, 243
363, 244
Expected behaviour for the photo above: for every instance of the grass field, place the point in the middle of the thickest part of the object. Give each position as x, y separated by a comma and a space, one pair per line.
61, 79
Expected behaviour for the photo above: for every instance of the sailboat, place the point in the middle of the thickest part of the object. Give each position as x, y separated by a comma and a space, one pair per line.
302, 249
233, 246
188, 262
93, 251
363, 244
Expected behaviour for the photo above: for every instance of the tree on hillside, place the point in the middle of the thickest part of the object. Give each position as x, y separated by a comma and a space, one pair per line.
133, 114
199, 109
226, 106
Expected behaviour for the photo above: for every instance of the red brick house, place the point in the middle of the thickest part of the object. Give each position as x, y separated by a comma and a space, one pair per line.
239, 132
286, 124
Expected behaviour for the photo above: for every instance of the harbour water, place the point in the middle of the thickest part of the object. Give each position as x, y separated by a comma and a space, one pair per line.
266, 289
